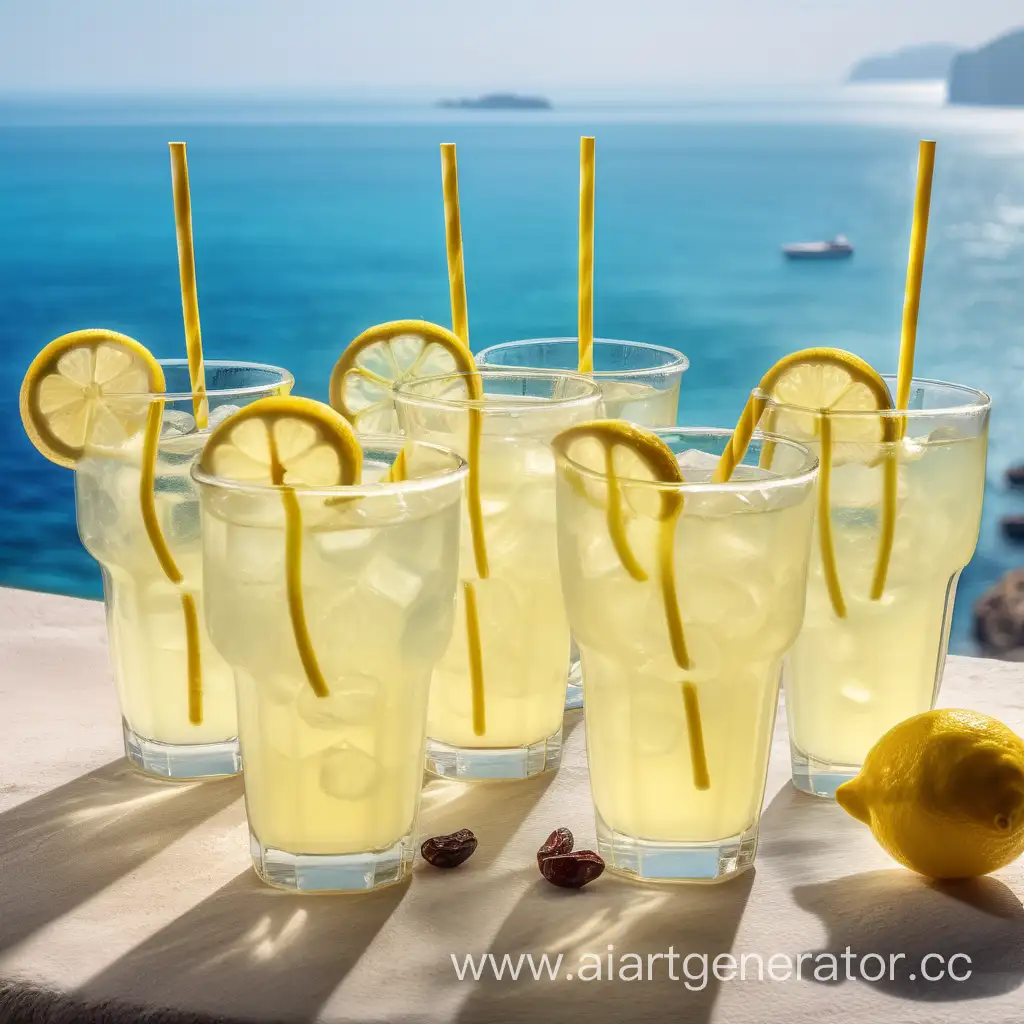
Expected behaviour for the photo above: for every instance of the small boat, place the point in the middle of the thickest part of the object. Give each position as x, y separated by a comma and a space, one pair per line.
838, 249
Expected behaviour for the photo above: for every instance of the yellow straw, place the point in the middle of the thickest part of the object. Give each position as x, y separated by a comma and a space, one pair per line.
453, 239
585, 325
915, 272
187, 271
460, 327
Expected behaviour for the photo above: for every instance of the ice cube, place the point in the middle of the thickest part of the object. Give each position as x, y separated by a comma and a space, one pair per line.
598, 556
281, 687
176, 422
353, 700
392, 580
348, 773
537, 460
185, 522
221, 413
696, 461
255, 556
344, 551
657, 717
495, 504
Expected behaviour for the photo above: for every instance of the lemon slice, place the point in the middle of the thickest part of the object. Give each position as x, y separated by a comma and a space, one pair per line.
617, 450
818, 382
288, 442
384, 356
285, 440
94, 388
76, 393
829, 379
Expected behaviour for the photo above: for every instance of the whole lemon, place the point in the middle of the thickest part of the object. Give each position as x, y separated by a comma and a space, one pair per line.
943, 793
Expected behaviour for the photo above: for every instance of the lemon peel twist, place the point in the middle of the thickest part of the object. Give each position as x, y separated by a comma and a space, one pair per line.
664, 468
325, 428
861, 373
74, 382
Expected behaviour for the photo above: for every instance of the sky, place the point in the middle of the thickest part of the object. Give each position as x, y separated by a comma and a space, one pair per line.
388, 47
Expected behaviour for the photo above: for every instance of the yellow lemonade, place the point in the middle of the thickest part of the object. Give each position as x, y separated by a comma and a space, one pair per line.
146, 626
852, 678
640, 403
498, 693
98, 402
332, 632
678, 754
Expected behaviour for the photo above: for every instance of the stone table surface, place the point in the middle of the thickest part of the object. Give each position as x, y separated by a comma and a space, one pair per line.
128, 899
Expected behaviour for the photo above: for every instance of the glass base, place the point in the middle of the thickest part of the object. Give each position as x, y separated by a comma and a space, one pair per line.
574, 685
181, 760
450, 762
652, 861
343, 872
819, 778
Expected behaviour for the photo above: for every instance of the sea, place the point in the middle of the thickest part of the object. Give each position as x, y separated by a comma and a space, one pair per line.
317, 217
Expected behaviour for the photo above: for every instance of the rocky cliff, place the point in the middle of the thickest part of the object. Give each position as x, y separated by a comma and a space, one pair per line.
991, 76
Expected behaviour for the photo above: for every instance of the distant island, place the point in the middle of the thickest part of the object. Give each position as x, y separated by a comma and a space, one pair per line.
992, 76
498, 101
914, 63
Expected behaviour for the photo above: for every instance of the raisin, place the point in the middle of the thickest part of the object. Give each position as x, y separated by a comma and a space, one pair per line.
560, 841
449, 851
572, 870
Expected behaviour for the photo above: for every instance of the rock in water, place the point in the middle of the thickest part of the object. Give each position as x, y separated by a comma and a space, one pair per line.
999, 618
1013, 528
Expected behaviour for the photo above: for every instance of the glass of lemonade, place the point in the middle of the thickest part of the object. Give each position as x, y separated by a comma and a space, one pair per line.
332, 783
678, 756
498, 694
639, 382
176, 694
865, 661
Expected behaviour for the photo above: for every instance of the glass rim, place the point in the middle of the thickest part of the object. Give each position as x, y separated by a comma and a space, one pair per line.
433, 481
406, 392
287, 379
805, 474
676, 361
981, 402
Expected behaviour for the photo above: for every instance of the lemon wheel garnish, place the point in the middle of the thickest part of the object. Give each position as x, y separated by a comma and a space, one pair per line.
362, 390
74, 391
364, 378
288, 442
618, 450
95, 387
824, 381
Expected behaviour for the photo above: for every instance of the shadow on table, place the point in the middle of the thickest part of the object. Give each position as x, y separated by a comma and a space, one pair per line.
255, 953
59, 849
798, 827
621, 917
249, 952
493, 810
895, 912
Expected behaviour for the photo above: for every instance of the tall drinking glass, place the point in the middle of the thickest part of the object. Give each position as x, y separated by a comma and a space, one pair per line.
176, 694
679, 757
639, 382
332, 781
498, 694
903, 495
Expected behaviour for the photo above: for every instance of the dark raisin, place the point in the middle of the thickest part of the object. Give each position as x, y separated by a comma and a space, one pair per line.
560, 841
572, 870
449, 851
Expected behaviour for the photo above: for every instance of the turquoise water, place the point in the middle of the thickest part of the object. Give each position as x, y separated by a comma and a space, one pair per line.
306, 233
